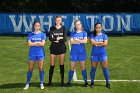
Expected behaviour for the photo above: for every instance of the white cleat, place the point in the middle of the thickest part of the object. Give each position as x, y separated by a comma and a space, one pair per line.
41, 86
26, 87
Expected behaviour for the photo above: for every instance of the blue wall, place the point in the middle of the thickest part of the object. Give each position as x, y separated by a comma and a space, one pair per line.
14, 23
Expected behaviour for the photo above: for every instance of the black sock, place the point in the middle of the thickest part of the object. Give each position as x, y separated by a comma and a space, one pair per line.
51, 73
62, 73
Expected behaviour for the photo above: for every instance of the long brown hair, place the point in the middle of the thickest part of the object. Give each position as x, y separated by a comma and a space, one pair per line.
37, 22
94, 32
75, 24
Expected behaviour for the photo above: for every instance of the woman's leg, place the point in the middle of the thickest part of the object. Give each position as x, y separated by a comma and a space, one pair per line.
104, 66
93, 72
52, 65
84, 72
71, 72
29, 74
62, 70
41, 71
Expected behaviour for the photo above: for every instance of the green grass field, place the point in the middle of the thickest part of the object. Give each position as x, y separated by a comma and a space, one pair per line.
124, 64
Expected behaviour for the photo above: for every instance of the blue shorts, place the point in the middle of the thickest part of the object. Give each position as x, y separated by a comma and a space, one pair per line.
75, 58
36, 58
98, 58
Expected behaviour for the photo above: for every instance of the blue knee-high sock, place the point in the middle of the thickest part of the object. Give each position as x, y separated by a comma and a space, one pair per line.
106, 74
84, 73
70, 75
29, 75
41, 75
92, 73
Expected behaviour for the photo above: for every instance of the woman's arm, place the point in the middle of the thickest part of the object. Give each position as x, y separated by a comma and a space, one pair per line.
72, 41
95, 43
36, 43
41, 43
82, 41
64, 38
51, 36
31, 43
104, 43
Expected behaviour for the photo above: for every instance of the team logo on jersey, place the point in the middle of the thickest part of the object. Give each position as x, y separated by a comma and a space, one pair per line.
78, 37
57, 34
36, 38
99, 40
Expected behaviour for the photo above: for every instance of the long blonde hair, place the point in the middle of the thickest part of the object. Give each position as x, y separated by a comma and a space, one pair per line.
75, 24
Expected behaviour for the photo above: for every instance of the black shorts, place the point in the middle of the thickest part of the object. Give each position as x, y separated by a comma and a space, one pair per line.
57, 48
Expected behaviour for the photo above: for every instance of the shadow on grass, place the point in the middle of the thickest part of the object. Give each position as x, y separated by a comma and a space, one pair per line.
12, 85
55, 84
72, 85
18, 85
37, 84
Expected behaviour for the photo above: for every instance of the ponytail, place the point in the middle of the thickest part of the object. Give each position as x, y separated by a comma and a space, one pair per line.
94, 32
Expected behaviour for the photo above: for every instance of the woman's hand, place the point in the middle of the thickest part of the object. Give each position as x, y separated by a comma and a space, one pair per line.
58, 38
40, 43
37, 43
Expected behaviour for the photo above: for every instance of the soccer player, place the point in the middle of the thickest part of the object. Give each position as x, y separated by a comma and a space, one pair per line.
78, 52
58, 37
36, 41
99, 42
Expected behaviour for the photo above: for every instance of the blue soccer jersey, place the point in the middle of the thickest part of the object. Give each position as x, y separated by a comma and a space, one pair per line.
97, 50
36, 50
78, 51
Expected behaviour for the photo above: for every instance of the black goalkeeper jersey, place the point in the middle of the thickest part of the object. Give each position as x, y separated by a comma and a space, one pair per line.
54, 33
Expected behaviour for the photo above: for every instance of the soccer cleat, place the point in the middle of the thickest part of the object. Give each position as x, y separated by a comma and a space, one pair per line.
41, 86
68, 84
26, 87
92, 84
86, 84
108, 85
